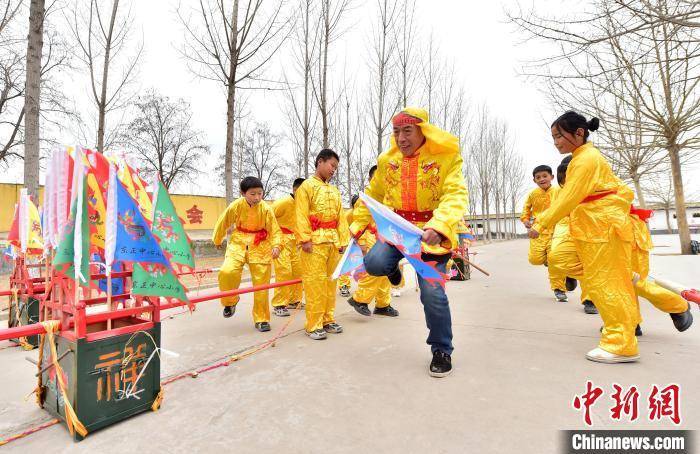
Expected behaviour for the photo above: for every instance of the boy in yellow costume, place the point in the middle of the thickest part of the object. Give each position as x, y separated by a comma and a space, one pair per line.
369, 287
344, 282
323, 234
256, 240
420, 177
287, 266
537, 201
598, 204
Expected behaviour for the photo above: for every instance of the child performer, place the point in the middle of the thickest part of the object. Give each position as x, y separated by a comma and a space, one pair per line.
256, 239
599, 204
323, 234
344, 282
537, 201
287, 265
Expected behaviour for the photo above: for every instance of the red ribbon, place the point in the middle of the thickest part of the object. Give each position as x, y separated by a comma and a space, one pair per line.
597, 196
317, 224
641, 213
260, 235
287, 231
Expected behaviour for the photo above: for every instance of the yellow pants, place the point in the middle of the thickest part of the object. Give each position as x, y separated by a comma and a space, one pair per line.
373, 287
344, 281
539, 255
287, 267
607, 275
662, 299
564, 261
316, 270
230, 279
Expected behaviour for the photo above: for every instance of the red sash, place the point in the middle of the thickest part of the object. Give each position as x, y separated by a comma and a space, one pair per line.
415, 216
260, 235
642, 214
317, 224
597, 196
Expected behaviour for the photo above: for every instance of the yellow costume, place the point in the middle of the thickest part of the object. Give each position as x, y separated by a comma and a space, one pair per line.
598, 204
287, 266
427, 188
372, 287
346, 281
537, 201
247, 244
662, 299
320, 220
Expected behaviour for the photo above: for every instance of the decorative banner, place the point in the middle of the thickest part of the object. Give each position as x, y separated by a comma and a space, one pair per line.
406, 237
150, 280
351, 263
167, 227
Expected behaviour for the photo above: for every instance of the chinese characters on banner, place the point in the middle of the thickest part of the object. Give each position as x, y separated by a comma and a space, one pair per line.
661, 403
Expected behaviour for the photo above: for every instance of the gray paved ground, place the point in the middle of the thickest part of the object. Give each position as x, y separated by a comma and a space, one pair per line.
519, 362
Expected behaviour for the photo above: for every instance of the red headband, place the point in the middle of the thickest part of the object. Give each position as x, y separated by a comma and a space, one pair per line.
403, 119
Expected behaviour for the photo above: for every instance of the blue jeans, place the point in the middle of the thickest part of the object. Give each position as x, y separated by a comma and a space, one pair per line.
383, 259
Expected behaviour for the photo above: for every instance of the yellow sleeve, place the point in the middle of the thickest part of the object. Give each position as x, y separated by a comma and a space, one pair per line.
273, 227
343, 229
278, 208
226, 220
361, 215
527, 209
453, 201
302, 200
581, 179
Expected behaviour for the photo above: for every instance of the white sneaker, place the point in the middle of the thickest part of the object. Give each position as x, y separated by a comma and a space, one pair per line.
601, 356
319, 334
395, 292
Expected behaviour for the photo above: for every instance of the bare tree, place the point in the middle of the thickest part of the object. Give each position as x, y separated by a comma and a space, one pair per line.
12, 75
231, 45
332, 13
259, 146
163, 138
659, 55
405, 38
32, 97
382, 101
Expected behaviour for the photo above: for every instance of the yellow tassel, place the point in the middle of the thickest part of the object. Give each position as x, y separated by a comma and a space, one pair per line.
159, 400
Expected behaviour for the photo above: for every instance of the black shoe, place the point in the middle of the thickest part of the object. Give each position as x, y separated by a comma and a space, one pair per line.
441, 365
361, 308
229, 311
638, 331
571, 284
589, 307
262, 326
395, 277
560, 296
683, 320
388, 311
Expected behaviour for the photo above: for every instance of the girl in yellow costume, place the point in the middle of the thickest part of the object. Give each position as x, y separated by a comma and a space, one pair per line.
287, 266
370, 288
537, 201
256, 240
323, 234
598, 203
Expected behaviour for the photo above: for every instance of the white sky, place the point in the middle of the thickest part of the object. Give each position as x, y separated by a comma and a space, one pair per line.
485, 48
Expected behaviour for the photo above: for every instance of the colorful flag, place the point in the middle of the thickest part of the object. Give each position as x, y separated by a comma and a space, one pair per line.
154, 280
406, 237
74, 246
136, 188
30, 226
167, 227
351, 263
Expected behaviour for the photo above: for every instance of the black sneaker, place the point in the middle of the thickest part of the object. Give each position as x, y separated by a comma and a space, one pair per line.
229, 311
638, 331
388, 311
560, 296
441, 365
395, 277
262, 326
361, 308
571, 284
589, 307
683, 320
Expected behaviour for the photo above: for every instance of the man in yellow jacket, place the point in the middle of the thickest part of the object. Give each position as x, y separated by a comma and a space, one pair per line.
420, 178
287, 266
256, 240
598, 204
322, 233
537, 201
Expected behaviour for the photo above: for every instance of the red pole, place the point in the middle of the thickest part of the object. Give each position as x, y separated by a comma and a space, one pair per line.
238, 291
21, 331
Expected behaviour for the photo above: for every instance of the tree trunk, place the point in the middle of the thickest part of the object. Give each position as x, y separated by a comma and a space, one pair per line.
640, 193
35, 43
679, 196
307, 79
230, 107
668, 220
324, 74
102, 107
